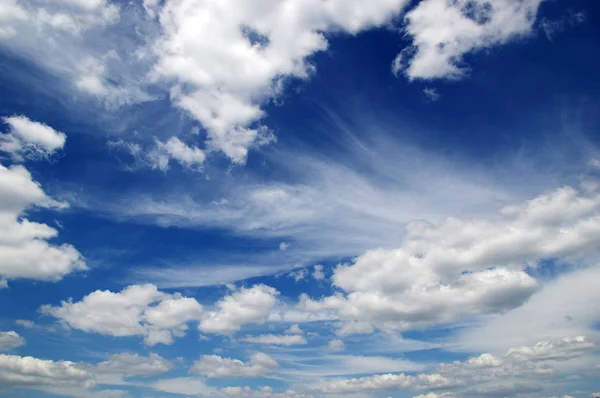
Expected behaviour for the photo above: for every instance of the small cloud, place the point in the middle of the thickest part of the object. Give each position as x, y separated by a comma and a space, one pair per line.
3, 284
336, 345
553, 28
318, 274
283, 246
294, 329
25, 323
432, 94
299, 275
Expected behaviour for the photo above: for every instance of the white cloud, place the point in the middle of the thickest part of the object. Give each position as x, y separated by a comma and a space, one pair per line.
10, 340
336, 345
222, 80
33, 372
272, 339
27, 138
387, 382
214, 366
444, 31
465, 267
318, 273
188, 156
24, 250
138, 310
247, 305
134, 365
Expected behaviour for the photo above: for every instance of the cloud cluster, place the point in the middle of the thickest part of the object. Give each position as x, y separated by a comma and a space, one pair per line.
138, 310
247, 305
222, 80
465, 267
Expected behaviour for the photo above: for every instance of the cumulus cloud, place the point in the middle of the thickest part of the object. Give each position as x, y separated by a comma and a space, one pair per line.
138, 310
272, 339
223, 80
388, 382
465, 267
247, 305
214, 366
33, 372
24, 248
444, 31
10, 340
27, 138
134, 365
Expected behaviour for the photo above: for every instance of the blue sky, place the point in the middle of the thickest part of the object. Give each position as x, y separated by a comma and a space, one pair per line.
299, 198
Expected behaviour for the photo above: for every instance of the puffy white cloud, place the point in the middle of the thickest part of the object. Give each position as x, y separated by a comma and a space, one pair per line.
24, 249
336, 345
247, 305
272, 339
222, 80
33, 372
27, 138
134, 365
10, 340
443, 31
138, 310
388, 382
215, 366
465, 267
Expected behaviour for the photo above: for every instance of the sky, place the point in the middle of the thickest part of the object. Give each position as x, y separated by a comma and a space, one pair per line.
299, 198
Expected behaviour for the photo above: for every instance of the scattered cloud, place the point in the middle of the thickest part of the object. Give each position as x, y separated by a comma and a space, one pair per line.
247, 305
24, 248
443, 32
214, 366
138, 310
10, 340
30, 139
